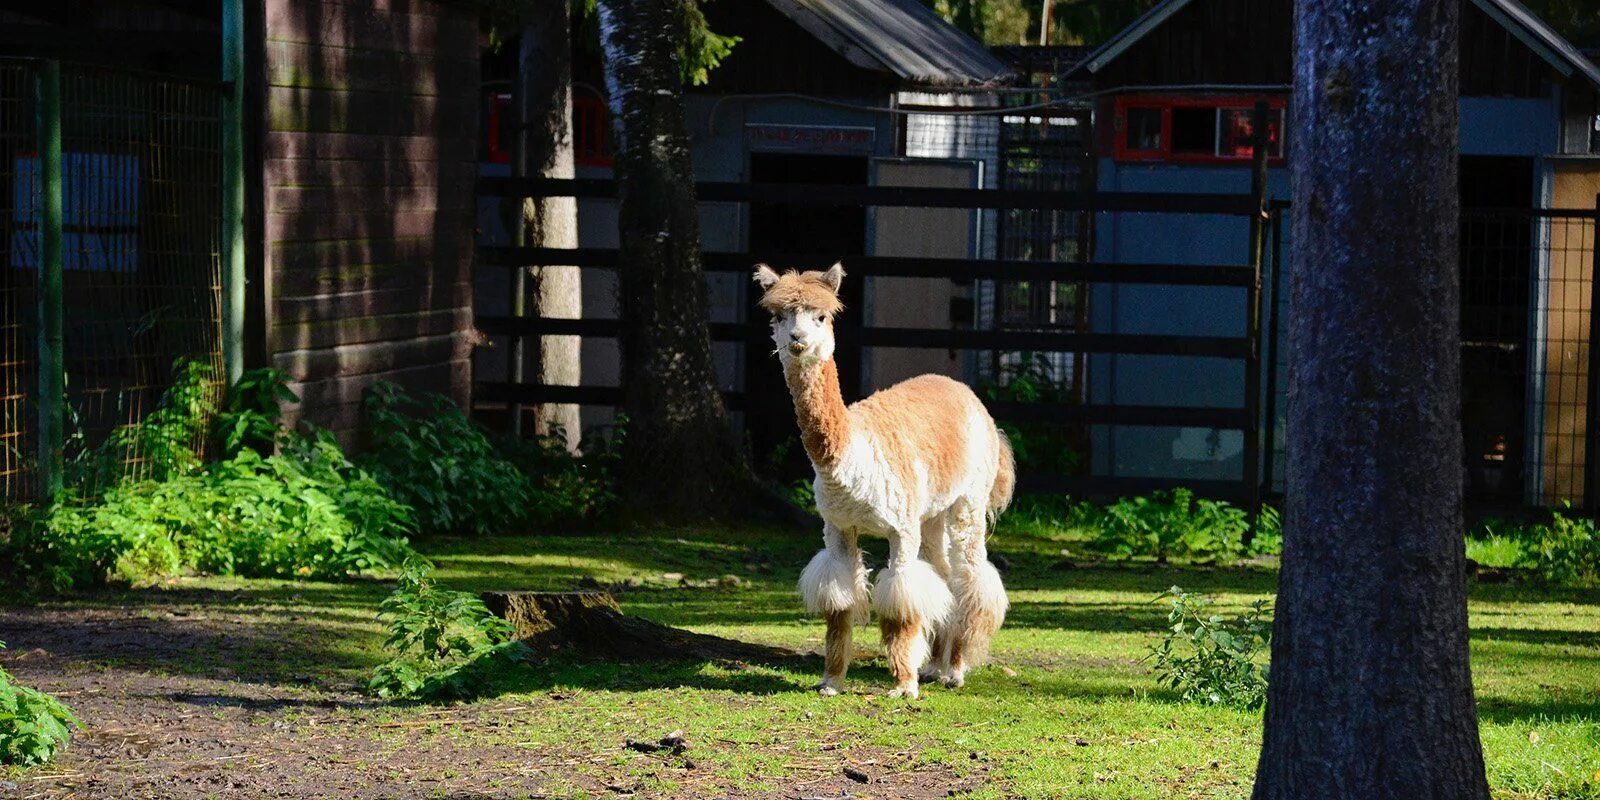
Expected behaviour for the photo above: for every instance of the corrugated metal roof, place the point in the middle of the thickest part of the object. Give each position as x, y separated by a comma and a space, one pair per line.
901, 37
1515, 17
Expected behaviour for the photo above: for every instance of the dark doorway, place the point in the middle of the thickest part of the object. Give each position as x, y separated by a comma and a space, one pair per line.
1496, 264
828, 232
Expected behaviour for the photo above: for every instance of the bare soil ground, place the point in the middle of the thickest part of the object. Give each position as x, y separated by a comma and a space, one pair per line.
225, 730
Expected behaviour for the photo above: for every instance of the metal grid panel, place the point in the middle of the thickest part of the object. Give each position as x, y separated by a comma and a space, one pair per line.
142, 187
17, 377
141, 198
1564, 254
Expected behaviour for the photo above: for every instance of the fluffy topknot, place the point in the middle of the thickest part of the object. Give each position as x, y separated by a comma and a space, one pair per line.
814, 290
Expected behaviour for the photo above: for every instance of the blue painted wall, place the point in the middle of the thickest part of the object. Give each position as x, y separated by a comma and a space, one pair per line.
1489, 126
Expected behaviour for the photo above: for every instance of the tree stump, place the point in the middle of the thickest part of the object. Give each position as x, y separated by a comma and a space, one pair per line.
593, 624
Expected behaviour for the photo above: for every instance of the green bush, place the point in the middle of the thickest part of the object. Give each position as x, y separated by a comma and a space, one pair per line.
463, 482
438, 640
305, 511
567, 490
1039, 447
1164, 525
1565, 550
33, 725
1210, 658
439, 462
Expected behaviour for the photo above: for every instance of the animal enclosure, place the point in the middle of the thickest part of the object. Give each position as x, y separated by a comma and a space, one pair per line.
1242, 281
125, 261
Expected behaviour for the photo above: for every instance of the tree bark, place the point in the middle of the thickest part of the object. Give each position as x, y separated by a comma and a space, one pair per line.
545, 79
1371, 691
680, 457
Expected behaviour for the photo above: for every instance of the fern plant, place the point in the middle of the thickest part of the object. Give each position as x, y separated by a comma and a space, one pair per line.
436, 639
33, 725
1210, 658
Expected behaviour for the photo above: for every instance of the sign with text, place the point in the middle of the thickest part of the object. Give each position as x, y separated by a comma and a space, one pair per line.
829, 139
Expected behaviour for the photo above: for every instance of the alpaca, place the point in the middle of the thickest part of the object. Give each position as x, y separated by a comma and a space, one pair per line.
920, 463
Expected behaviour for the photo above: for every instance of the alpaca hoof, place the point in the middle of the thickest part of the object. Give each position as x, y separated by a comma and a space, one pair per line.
826, 689
908, 691
955, 681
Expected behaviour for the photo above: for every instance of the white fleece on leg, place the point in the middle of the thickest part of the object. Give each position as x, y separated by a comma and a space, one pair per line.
835, 581
912, 589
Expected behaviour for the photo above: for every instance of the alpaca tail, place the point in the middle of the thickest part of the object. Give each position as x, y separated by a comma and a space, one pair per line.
1005, 478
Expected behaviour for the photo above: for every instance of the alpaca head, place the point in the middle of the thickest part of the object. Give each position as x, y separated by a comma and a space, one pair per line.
802, 305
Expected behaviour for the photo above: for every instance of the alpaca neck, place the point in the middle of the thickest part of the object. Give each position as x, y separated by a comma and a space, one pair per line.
819, 408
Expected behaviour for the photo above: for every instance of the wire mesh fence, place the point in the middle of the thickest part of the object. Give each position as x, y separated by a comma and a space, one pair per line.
140, 227
17, 376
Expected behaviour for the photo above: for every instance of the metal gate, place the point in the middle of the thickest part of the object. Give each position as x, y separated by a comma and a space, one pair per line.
110, 269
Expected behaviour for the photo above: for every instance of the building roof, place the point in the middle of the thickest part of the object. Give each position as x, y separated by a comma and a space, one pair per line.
1515, 17
901, 37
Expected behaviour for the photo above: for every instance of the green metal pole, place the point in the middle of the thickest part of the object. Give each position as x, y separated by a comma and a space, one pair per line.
233, 269
52, 370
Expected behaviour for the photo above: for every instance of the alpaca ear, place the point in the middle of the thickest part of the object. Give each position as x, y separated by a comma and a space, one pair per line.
835, 276
764, 276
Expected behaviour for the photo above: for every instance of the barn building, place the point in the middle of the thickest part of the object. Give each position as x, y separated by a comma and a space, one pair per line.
360, 153
1173, 94
809, 95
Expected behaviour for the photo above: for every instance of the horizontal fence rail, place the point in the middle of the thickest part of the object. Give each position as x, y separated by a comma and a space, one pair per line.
1245, 277
1242, 205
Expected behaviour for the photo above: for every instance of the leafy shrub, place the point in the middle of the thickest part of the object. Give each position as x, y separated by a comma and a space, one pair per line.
1268, 538
439, 462
1566, 550
463, 481
33, 725
1210, 658
567, 489
305, 511
438, 639
1167, 524
169, 442
1038, 446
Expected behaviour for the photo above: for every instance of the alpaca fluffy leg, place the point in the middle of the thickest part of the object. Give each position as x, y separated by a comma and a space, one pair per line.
980, 597
935, 550
911, 599
834, 585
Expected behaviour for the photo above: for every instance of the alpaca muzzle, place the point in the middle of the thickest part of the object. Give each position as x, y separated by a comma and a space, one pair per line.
797, 348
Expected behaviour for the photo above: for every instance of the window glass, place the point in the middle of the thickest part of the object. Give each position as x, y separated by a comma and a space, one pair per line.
1144, 129
1194, 130
1238, 133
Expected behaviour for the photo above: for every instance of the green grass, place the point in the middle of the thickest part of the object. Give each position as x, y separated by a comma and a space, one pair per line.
1078, 714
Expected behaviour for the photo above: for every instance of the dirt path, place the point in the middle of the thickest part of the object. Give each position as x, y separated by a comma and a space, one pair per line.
184, 698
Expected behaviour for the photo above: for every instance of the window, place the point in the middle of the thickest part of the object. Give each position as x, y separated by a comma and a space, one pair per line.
1193, 129
590, 140
590, 143
497, 129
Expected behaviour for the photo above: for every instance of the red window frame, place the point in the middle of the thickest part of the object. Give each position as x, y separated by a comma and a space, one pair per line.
500, 113
1165, 105
591, 146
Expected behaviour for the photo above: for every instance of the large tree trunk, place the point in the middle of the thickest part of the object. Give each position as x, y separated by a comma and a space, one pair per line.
545, 80
680, 456
1371, 692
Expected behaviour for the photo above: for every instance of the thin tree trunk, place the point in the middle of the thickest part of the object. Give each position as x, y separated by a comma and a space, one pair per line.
680, 455
545, 66
1371, 691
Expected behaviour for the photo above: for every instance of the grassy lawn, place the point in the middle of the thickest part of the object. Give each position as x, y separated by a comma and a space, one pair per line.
1067, 710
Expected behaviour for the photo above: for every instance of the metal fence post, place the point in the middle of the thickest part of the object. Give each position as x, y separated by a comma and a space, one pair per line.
1252, 367
1591, 420
52, 370
233, 236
